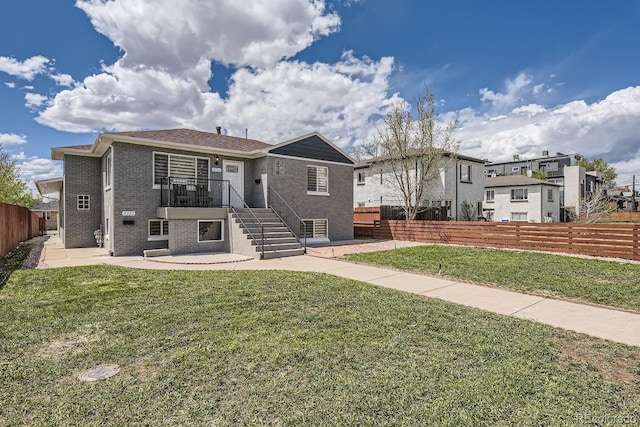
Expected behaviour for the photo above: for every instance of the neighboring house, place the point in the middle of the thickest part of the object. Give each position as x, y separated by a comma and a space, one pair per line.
185, 191
48, 211
574, 181
462, 179
625, 198
522, 199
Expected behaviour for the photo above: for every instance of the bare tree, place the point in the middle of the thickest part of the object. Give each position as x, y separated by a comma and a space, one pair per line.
468, 212
596, 206
414, 149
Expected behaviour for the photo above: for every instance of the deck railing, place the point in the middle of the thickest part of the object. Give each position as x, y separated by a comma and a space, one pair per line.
194, 192
288, 216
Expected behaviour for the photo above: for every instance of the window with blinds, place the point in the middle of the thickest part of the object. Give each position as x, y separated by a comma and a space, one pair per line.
315, 228
178, 166
317, 179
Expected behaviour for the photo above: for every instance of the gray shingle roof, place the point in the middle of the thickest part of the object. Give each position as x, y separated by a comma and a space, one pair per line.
198, 138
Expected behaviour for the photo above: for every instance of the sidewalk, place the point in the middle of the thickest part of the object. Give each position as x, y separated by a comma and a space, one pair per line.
614, 325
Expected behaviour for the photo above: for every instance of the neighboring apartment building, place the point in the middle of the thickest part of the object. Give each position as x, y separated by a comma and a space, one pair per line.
521, 199
175, 189
574, 181
48, 211
462, 179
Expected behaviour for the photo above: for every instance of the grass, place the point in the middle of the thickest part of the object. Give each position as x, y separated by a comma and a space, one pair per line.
589, 280
12, 262
287, 348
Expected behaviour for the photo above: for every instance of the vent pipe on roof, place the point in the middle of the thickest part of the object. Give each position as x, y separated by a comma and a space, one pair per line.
219, 130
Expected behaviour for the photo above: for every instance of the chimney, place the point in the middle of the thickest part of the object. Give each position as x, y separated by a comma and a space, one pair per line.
219, 130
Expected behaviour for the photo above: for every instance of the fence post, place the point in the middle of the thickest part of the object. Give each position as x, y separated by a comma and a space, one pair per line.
636, 254
570, 238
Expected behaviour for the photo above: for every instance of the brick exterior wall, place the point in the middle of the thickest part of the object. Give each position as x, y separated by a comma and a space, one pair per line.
133, 190
183, 238
337, 208
81, 176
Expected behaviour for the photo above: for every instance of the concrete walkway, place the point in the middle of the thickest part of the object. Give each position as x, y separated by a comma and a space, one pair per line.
611, 324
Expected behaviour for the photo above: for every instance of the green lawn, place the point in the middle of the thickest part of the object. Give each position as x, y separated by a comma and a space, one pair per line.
591, 280
286, 348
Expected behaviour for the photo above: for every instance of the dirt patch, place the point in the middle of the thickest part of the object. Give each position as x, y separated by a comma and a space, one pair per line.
61, 346
615, 363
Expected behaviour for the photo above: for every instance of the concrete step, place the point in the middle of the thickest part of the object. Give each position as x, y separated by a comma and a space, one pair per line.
155, 252
283, 253
277, 240
280, 246
260, 216
256, 231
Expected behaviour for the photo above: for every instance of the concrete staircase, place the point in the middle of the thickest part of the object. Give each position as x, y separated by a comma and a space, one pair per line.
278, 240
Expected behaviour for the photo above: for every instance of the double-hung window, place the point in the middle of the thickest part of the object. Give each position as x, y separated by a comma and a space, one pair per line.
361, 178
519, 194
550, 195
190, 168
490, 195
318, 180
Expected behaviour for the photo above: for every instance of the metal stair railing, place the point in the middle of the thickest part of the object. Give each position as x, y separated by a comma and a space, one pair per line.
260, 242
288, 216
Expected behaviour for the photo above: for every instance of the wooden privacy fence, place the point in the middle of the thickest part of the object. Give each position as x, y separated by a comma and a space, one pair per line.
606, 240
17, 224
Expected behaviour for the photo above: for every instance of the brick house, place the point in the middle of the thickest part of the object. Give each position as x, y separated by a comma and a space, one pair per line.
186, 191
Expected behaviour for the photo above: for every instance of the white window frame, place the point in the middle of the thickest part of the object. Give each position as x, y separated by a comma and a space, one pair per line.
550, 195
526, 216
467, 176
46, 215
318, 191
83, 202
221, 221
361, 178
169, 156
492, 198
162, 235
523, 198
314, 227
108, 171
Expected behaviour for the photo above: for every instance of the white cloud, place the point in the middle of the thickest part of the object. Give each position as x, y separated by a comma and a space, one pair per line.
34, 100
63, 80
274, 104
36, 169
12, 138
162, 80
512, 94
609, 129
10, 85
26, 69
176, 34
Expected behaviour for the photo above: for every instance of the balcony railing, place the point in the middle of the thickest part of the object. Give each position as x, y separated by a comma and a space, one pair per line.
194, 193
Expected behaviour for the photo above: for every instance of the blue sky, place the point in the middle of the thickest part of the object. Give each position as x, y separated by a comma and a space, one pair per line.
523, 76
